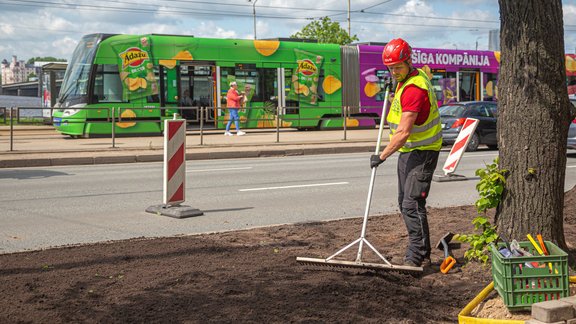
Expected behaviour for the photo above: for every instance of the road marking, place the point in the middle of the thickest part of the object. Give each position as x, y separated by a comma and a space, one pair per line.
571, 166
296, 186
214, 170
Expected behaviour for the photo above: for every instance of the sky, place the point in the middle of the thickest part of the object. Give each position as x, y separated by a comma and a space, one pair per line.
31, 28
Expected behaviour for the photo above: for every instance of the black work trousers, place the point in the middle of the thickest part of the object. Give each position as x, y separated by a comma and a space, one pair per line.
415, 171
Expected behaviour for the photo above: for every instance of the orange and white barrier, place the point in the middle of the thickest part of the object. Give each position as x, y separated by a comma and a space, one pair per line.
174, 162
460, 145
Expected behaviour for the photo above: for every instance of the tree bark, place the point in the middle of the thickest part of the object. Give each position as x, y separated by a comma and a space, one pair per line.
534, 116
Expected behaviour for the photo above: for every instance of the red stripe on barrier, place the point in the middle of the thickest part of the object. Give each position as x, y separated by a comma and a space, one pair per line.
175, 162
468, 122
179, 194
452, 165
460, 144
174, 130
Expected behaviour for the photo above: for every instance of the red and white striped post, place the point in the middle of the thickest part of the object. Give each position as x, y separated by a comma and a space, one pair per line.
460, 145
174, 162
174, 180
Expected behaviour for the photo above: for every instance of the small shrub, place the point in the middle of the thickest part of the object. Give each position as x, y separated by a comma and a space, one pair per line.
490, 188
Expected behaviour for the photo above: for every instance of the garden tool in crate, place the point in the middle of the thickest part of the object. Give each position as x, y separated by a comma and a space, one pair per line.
359, 263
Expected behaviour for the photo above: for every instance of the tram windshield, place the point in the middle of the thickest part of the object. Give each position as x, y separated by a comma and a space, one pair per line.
75, 84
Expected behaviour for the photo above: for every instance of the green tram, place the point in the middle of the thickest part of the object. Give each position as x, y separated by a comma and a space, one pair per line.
144, 79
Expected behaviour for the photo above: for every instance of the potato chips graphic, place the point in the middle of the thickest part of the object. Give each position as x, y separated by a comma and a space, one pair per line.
170, 64
135, 67
371, 89
301, 89
497, 55
352, 122
133, 83
489, 89
304, 87
183, 56
128, 113
570, 64
331, 84
266, 47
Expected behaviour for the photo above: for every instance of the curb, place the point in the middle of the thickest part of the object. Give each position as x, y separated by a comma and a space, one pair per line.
136, 157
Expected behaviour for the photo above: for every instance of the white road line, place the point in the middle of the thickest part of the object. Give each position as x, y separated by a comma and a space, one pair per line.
296, 186
571, 166
214, 170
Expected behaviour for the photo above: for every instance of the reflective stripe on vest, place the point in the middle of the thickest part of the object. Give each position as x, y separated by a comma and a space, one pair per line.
422, 128
427, 136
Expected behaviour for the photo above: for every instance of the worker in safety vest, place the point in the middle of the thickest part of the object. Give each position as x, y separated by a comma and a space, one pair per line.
416, 132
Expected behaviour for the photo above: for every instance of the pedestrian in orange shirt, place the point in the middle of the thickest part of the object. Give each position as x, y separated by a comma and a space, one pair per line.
233, 100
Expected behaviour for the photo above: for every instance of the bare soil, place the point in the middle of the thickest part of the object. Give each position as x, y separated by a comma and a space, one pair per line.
251, 276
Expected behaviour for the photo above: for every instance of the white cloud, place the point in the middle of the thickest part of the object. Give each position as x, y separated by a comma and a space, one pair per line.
40, 30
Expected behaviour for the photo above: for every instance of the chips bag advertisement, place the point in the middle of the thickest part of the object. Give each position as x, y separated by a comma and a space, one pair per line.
136, 69
304, 85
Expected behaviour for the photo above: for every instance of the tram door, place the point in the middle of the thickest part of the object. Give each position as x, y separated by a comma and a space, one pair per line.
469, 86
196, 90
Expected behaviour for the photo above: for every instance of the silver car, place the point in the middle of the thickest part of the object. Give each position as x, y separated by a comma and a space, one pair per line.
572, 130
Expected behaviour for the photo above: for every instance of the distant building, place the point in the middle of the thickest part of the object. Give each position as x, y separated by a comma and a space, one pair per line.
15, 71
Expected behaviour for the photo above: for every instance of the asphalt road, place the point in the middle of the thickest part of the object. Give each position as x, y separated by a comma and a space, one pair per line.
54, 206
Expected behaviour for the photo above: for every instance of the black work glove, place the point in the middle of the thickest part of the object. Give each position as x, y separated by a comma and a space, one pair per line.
375, 161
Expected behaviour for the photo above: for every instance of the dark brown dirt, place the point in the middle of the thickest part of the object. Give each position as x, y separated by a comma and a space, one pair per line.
246, 276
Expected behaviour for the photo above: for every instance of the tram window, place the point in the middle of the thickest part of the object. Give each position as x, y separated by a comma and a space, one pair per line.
107, 84
248, 80
268, 88
382, 75
490, 87
155, 97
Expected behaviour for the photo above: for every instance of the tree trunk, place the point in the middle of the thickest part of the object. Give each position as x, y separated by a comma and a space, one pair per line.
534, 115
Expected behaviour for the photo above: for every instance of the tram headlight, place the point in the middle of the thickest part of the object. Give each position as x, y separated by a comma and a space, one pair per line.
70, 112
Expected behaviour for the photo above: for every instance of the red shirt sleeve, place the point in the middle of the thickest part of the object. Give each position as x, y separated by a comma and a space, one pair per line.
416, 100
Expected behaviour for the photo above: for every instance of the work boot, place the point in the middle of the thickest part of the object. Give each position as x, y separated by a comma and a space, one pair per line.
411, 263
426, 263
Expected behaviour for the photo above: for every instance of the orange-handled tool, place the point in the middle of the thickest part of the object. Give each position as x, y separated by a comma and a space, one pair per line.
447, 264
449, 261
542, 244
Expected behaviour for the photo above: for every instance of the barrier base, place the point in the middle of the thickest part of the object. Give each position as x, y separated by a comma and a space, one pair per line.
448, 177
174, 211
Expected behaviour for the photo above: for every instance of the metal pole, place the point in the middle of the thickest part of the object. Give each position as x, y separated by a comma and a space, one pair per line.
254, 14
344, 113
11, 129
278, 124
113, 128
349, 18
202, 125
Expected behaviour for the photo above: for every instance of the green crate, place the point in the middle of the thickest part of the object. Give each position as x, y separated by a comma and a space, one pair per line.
521, 286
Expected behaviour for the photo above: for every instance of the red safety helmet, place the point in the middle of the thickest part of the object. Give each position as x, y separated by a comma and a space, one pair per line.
396, 51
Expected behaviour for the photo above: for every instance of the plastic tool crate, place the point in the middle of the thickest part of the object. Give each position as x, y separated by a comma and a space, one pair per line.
523, 281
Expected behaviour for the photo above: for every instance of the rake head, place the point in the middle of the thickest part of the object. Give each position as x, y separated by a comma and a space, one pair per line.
361, 265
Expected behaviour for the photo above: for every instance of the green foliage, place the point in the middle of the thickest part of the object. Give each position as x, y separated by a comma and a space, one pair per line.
478, 249
490, 188
44, 59
325, 31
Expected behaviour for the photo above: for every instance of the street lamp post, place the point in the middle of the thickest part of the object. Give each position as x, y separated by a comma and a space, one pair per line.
477, 38
254, 14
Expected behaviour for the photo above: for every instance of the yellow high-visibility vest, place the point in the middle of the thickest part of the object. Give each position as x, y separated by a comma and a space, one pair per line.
427, 136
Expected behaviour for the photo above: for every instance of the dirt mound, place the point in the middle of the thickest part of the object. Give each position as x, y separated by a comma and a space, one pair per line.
245, 276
